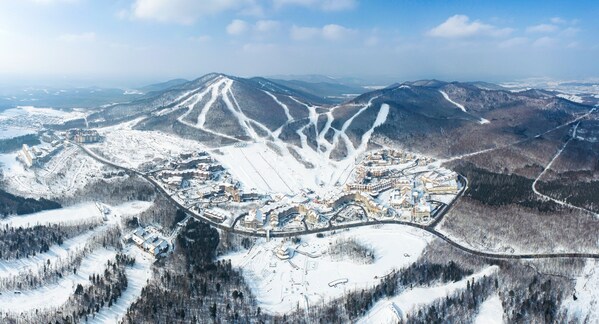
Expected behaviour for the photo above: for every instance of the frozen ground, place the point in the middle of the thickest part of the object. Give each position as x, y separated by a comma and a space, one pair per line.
69, 215
388, 310
57, 294
490, 312
281, 285
586, 306
137, 277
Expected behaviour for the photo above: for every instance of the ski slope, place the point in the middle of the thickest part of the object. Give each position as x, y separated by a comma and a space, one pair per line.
490, 311
55, 295
13, 268
76, 214
137, 278
411, 299
279, 285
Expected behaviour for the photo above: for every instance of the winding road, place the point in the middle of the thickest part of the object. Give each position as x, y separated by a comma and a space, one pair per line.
428, 228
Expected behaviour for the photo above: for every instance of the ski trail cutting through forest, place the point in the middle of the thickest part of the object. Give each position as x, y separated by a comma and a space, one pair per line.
462, 108
349, 145
241, 117
548, 166
459, 157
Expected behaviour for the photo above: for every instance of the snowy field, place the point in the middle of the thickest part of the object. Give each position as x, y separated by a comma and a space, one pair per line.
382, 311
69, 215
57, 294
130, 148
281, 285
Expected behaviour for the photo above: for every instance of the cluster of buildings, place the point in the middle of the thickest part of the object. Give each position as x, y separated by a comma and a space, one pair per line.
34, 156
149, 239
284, 211
83, 136
387, 184
440, 181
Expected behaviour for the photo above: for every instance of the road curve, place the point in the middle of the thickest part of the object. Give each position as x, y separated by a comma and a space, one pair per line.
427, 228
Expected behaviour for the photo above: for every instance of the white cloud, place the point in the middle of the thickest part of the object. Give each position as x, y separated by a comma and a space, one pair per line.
542, 28
557, 20
371, 41
259, 47
201, 38
329, 32
325, 5
513, 42
335, 32
186, 11
304, 33
569, 32
82, 37
237, 27
48, 2
459, 26
545, 42
267, 26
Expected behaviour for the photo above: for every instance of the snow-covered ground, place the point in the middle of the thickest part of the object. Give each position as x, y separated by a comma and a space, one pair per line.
57, 294
130, 208
280, 285
10, 268
490, 312
586, 306
259, 167
571, 97
69, 170
387, 310
130, 148
137, 277
88, 211
10, 132
69, 215
27, 116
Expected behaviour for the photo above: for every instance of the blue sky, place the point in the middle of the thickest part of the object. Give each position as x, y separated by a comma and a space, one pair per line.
126, 42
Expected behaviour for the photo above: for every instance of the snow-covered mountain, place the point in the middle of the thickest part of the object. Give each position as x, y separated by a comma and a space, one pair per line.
430, 116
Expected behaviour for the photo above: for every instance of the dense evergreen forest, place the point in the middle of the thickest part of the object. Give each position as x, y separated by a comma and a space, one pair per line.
15, 143
16, 205
498, 189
